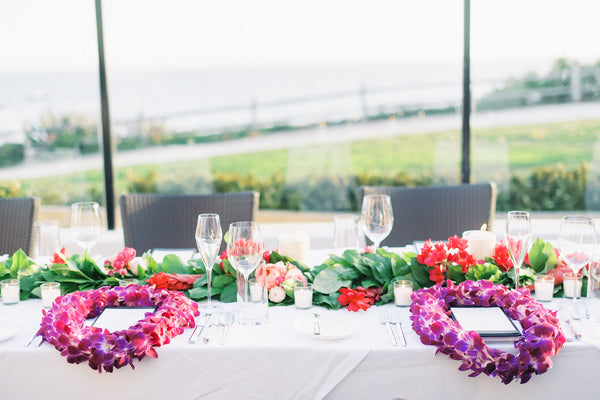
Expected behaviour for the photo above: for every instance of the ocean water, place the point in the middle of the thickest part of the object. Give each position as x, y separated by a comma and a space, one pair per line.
228, 97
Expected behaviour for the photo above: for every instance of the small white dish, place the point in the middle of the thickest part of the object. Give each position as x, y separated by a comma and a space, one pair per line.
332, 328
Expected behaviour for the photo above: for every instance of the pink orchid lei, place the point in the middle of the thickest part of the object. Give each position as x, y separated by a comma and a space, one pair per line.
542, 336
62, 326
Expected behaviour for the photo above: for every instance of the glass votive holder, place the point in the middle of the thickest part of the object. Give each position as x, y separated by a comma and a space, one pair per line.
127, 282
572, 285
50, 291
544, 287
303, 293
402, 290
10, 290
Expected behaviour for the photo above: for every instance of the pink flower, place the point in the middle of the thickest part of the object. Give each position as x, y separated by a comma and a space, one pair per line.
295, 274
275, 274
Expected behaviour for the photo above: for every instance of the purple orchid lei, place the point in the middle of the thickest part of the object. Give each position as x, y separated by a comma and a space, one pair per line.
62, 326
542, 336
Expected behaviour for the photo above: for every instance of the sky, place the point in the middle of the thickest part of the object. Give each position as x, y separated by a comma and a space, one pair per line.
158, 34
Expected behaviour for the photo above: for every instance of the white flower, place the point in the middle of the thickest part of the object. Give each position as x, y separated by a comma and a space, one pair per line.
132, 266
277, 294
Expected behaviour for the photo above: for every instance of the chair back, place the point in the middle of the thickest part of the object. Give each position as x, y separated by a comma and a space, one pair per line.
159, 221
17, 216
436, 212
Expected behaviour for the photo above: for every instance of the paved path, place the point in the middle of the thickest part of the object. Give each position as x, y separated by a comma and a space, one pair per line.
38, 168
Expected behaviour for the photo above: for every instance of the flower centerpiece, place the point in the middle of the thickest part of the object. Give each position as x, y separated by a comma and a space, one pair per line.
542, 337
63, 325
280, 279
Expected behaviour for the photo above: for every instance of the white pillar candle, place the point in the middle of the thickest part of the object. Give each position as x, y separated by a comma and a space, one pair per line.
295, 246
50, 291
402, 291
480, 243
10, 291
544, 288
303, 295
568, 285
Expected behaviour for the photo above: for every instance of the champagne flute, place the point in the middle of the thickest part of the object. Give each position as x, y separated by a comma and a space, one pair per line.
244, 251
517, 232
86, 223
376, 217
208, 240
577, 240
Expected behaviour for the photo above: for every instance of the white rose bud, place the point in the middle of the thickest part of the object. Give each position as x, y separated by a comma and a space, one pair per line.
277, 294
132, 266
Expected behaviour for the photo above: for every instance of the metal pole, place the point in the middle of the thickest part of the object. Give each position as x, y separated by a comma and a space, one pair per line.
466, 106
106, 137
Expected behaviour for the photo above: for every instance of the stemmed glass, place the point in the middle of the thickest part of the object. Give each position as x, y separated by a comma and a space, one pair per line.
86, 223
577, 240
517, 232
376, 217
208, 240
244, 251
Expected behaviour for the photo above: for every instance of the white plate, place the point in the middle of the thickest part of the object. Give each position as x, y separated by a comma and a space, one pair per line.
332, 328
6, 332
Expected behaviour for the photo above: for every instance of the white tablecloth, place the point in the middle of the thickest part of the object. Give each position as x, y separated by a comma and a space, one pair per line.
276, 361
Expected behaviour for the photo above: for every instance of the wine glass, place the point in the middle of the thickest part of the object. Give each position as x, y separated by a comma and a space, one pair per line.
577, 240
517, 232
376, 217
208, 240
86, 223
244, 251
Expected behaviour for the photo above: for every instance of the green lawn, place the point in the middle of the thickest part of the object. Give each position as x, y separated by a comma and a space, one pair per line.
522, 147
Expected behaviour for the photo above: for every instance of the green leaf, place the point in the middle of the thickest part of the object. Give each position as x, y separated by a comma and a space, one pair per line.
329, 281
229, 294
172, 264
483, 271
455, 273
198, 293
542, 257
420, 274
222, 280
327, 300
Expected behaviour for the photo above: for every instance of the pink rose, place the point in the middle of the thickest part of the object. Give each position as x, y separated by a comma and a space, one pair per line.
295, 274
128, 254
273, 274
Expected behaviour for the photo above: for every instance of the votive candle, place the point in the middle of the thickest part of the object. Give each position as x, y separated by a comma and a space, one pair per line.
402, 291
303, 293
10, 290
544, 287
50, 291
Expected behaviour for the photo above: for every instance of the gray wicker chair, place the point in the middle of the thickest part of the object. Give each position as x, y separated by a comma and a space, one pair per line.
16, 224
436, 212
158, 221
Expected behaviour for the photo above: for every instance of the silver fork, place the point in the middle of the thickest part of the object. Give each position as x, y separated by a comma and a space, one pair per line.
385, 319
395, 320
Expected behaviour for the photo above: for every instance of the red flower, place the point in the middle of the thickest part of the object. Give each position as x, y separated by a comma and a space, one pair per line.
502, 257
60, 256
436, 275
355, 299
173, 281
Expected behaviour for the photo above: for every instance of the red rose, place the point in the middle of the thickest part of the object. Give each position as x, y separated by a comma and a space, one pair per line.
173, 281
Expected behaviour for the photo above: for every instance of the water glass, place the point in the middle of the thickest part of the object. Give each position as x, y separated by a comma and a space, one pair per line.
345, 232
46, 239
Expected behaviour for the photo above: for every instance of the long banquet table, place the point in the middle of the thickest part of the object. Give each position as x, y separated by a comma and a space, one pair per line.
277, 361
